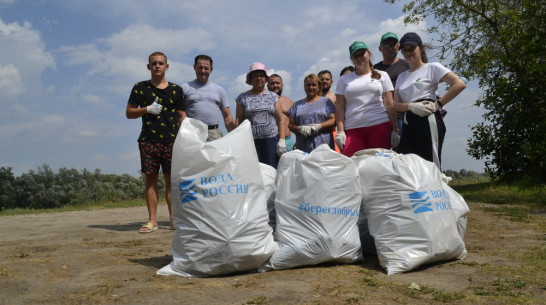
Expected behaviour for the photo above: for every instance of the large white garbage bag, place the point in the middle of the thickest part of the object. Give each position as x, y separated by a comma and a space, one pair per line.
269, 176
219, 204
317, 205
413, 215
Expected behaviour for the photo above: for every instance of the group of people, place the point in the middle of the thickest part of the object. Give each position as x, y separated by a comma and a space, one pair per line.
392, 104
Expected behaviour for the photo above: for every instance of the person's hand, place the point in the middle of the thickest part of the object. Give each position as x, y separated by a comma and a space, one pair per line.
340, 139
395, 138
305, 130
154, 108
421, 109
435, 106
315, 128
281, 147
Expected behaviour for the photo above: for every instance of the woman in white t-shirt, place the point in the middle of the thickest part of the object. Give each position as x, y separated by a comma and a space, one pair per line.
365, 116
416, 95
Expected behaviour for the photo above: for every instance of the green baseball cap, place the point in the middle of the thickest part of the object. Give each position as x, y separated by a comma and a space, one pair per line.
387, 36
357, 45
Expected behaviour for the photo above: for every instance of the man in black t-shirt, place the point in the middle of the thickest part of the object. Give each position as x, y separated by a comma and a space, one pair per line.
161, 106
392, 64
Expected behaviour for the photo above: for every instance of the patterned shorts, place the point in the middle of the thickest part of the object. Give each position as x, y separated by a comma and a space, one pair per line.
154, 155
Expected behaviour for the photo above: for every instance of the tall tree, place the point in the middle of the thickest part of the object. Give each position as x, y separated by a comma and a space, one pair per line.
501, 43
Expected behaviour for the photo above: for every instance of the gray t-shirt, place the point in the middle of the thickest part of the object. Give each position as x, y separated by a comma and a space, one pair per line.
204, 100
260, 111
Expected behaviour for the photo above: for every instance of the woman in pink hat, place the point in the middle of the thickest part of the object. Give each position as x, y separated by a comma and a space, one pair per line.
259, 106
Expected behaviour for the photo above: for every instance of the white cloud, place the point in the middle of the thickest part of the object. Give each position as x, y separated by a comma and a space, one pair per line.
22, 61
87, 133
11, 84
53, 120
97, 101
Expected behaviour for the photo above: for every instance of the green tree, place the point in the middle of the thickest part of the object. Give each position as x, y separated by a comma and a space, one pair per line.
501, 44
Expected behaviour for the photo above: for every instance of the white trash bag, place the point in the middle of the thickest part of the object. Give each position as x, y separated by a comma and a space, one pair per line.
317, 205
269, 176
414, 217
219, 204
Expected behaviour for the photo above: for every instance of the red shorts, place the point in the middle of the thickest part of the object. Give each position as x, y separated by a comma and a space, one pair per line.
377, 136
155, 155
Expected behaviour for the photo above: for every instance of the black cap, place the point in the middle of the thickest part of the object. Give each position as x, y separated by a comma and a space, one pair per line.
411, 38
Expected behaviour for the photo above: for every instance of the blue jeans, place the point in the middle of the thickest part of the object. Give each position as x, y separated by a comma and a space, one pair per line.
400, 124
267, 150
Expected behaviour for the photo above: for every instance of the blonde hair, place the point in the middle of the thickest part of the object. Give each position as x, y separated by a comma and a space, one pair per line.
315, 78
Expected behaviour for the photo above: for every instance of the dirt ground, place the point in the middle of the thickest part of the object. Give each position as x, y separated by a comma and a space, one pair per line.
97, 257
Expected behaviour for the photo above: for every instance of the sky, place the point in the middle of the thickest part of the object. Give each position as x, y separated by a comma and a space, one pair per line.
67, 67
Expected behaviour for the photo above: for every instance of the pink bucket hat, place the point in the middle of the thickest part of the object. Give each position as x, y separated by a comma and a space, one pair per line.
256, 66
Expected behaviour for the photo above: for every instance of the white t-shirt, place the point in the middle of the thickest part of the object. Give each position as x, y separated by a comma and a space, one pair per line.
422, 83
364, 99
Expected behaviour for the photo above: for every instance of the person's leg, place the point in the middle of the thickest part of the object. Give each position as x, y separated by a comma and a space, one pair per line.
166, 162
167, 177
150, 192
272, 151
379, 136
150, 163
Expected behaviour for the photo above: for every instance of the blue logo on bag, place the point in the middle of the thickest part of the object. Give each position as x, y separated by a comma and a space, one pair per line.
187, 192
420, 202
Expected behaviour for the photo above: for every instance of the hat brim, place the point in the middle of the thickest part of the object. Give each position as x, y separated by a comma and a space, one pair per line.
361, 48
413, 43
249, 82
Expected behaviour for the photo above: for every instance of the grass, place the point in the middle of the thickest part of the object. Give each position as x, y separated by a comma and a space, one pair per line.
533, 196
79, 207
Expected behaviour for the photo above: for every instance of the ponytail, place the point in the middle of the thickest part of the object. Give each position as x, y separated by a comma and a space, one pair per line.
375, 74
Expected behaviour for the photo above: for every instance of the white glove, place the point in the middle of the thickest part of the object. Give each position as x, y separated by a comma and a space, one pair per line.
435, 106
315, 128
340, 139
281, 147
154, 108
305, 130
421, 109
395, 138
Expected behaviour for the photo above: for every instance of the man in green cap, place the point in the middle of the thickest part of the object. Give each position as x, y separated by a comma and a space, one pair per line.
391, 63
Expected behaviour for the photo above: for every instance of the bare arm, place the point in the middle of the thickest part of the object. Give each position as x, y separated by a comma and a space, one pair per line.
228, 119
331, 96
134, 112
282, 120
292, 126
331, 122
181, 115
398, 105
389, 105
239, 115
340, 112
456, 84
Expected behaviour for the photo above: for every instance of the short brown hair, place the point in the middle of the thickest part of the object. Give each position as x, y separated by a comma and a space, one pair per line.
157, 53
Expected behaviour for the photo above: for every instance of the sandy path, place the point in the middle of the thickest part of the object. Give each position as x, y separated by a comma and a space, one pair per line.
97, 257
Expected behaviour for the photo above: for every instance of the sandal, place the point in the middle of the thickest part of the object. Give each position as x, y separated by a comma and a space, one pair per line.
147, 228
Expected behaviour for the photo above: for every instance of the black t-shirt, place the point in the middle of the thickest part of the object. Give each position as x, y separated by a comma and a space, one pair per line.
393, 70
164, 126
